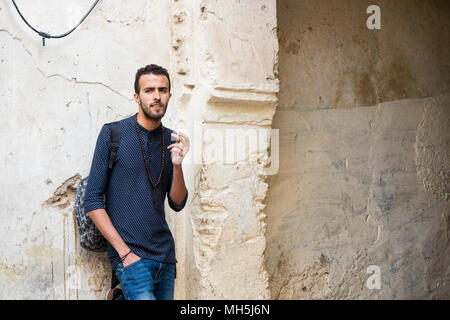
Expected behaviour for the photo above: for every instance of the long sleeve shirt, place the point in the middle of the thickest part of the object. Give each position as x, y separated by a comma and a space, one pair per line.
127, 196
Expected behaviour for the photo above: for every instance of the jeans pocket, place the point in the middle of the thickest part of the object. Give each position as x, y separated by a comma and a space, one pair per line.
130, 265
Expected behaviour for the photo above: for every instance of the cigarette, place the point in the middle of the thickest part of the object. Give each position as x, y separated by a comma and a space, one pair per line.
172, 138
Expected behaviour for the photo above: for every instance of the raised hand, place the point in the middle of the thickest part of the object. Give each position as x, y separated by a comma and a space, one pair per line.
180, 148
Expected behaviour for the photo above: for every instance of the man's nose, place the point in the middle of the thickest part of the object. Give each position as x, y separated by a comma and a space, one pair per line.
157, 95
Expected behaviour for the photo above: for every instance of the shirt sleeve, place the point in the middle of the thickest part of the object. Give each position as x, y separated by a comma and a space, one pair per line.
172, 204
98, 176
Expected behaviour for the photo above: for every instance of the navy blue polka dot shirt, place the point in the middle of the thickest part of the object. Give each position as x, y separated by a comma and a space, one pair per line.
129, 194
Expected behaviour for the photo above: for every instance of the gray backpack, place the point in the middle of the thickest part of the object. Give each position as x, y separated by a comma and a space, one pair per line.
90, 237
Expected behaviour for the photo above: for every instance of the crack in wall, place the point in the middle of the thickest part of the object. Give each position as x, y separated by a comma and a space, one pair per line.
60, 75
17, 39
84, 82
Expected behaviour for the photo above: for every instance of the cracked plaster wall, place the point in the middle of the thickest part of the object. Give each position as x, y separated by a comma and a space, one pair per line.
364, 119
53, 102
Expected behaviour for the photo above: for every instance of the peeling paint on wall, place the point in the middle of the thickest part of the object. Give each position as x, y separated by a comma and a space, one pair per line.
65, 194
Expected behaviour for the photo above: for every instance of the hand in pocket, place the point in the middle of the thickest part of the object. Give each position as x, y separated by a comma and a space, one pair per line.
130, 259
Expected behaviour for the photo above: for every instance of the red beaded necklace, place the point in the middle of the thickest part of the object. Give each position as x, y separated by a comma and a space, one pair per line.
154, 185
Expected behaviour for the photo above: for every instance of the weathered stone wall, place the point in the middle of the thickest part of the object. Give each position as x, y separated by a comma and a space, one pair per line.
230, 89
364, 177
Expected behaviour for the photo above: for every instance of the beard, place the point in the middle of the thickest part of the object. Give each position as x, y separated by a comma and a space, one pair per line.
149, 114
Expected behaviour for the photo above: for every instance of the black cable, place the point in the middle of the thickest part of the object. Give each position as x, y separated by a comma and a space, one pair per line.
48, 36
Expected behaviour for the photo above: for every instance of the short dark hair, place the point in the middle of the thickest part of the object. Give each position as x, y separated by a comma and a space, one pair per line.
149, 69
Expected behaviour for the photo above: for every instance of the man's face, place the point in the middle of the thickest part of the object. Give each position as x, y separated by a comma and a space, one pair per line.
153, 96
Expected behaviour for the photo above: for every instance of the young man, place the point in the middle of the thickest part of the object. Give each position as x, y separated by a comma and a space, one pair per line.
147, 166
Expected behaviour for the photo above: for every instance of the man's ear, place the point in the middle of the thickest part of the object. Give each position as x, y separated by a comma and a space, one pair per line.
137, 99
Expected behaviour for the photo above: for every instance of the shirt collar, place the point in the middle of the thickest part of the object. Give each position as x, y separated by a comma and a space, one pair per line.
157, 129
154, 131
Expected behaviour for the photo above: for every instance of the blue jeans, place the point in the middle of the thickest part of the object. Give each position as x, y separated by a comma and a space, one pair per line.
147, 280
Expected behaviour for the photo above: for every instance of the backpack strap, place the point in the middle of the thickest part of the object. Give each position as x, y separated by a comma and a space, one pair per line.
115, 139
